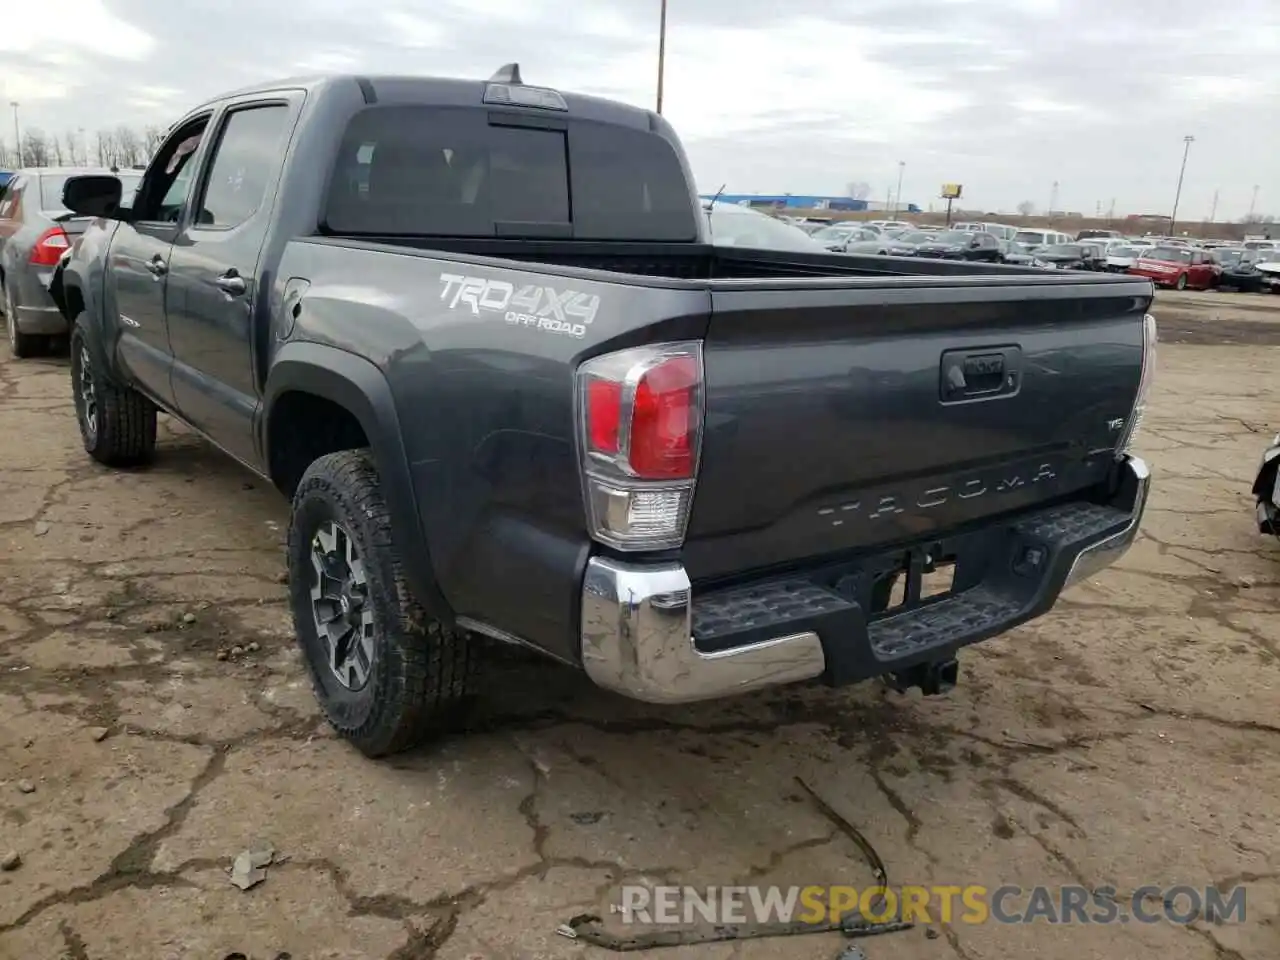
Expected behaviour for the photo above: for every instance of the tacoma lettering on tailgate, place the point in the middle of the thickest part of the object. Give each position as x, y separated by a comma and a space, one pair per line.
541, 307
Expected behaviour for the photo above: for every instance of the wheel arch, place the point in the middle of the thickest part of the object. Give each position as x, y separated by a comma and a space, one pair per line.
304, 375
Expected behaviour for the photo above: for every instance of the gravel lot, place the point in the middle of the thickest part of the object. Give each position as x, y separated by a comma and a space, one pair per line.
1128, 738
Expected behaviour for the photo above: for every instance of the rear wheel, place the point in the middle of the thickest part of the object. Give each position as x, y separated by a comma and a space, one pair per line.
386, 674
21, 345
117, 424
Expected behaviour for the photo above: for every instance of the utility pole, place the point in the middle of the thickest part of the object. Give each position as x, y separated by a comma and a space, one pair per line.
1053, 200
662, 50
897, 197
1253, 203
17, 134
1213, 210
1111, 213
1173, 218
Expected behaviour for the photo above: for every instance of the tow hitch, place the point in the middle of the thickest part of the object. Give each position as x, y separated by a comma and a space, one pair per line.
933, 679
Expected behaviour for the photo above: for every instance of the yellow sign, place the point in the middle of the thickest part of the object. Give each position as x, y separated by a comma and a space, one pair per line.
951, 191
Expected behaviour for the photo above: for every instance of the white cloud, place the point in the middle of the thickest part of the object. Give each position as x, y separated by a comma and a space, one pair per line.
70, 24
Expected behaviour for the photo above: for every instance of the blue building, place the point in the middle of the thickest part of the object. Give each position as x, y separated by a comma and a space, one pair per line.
796, 201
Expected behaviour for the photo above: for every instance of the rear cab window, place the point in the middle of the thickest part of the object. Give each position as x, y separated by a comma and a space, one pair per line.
468, 172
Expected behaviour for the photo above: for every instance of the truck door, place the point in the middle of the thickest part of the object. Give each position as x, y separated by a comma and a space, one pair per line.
137, 275
214, 288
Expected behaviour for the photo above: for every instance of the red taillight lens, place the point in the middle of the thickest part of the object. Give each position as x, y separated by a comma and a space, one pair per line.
49, 247
640, 434
663, 421
604, 415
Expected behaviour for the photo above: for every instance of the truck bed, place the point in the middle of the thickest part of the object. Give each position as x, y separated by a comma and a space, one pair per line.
706, 262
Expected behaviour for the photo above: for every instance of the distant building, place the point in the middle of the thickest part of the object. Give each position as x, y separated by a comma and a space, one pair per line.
798, 201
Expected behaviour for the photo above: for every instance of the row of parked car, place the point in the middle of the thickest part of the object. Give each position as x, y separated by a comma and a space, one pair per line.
1252, 265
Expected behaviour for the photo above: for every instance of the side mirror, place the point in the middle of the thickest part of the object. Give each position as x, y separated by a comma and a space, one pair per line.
92, 195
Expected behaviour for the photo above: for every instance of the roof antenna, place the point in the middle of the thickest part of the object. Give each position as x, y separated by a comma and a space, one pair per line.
507, 73
711, 230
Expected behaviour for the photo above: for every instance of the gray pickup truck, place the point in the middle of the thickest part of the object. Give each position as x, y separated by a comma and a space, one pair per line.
476, 331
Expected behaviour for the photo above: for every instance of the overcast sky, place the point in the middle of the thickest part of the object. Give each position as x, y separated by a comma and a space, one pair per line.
1004, 96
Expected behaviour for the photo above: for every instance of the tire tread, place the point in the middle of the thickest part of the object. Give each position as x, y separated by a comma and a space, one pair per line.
432, 667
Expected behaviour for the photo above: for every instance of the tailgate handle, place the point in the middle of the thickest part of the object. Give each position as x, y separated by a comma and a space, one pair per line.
979, 374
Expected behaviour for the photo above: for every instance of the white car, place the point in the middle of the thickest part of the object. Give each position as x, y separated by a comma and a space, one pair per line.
731, 225
1120, 256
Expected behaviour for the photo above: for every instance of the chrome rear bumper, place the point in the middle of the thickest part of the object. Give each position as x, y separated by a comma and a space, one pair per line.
637, 619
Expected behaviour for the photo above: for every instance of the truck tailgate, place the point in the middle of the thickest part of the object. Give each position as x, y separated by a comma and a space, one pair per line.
846, 416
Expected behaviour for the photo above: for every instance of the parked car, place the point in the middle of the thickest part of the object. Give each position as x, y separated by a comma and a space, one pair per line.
1120, 257
35, 230
883, 245
1066, 256
1034, 239
1239, 270
1001, 231
1099, 235
732, 225
1270, 270
886, 225
476, 333
837, 236
1177, 267
961, 245
5, 177
1266, 490
1013, 252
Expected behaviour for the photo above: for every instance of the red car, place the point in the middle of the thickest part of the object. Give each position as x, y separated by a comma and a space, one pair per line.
1178, 267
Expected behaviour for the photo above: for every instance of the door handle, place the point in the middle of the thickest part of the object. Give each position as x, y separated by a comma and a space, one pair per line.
231, 283
157, 266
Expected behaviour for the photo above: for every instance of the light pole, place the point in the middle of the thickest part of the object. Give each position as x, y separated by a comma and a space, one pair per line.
1173, 218
897, 197
662, 50
1053, 200
17, 134
1253, 203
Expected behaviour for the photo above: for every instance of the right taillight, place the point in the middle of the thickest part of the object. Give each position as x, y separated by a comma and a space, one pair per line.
1144, 386
640, 433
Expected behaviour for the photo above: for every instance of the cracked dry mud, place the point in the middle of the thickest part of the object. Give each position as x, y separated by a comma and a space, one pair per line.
1128, 738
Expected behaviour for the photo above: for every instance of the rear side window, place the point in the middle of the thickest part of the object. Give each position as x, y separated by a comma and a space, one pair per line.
243, 164
464, 172
51, 192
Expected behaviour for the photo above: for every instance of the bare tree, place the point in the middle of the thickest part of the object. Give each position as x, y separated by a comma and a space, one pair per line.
106, 148
75, 148
35, 148
858, 190
130, 144
1026, 208
152, 137
7, 159
55, 150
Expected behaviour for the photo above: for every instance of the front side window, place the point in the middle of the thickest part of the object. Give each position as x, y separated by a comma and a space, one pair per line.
167, 184
243, 164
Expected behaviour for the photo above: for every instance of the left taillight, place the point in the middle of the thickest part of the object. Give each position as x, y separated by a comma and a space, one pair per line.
49, 246
640, 433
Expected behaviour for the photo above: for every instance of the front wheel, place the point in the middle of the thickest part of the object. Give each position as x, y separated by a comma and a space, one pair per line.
385, 673
1182, 282
117, 423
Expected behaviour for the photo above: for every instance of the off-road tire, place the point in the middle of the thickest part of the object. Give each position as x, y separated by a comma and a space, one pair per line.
21, 345
124, 432
422, 671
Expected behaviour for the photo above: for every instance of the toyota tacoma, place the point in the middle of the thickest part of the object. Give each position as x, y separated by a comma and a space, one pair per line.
476, 331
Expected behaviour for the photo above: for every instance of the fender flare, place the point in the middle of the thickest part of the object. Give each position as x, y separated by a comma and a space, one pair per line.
358, 386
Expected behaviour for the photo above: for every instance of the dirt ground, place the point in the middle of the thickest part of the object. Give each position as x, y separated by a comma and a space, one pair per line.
1128, 738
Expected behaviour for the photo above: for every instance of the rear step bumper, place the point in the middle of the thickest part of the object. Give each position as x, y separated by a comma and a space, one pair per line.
644, 636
